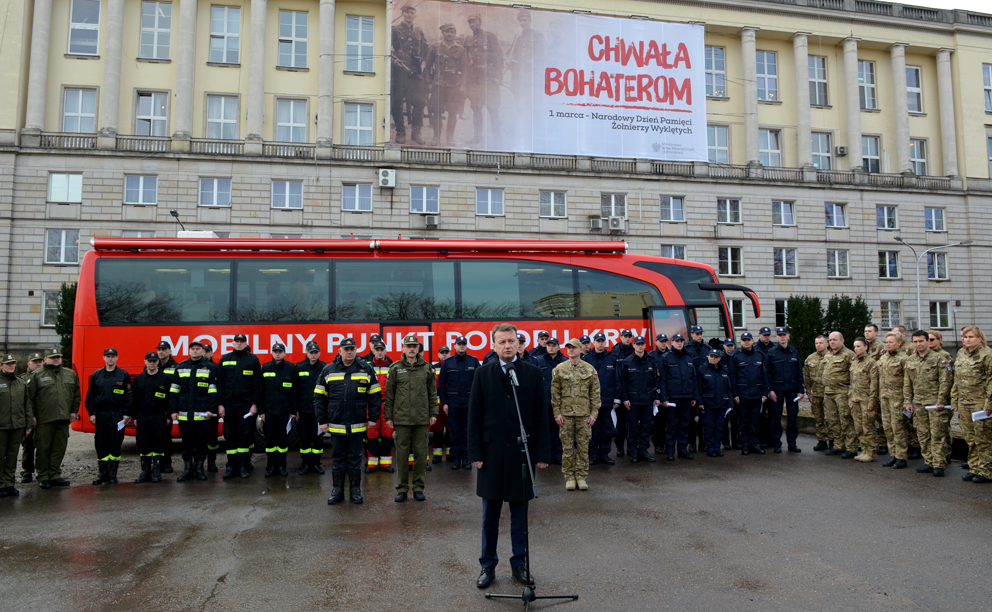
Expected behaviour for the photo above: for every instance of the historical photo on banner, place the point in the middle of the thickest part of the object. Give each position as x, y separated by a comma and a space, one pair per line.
506, 79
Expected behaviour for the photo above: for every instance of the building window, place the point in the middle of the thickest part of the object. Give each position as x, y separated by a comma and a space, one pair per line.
222, 117
489, 202
918, 156
987, 79
291, 120
84, 27
870, 154
287, 194
767, 76
215, 192
731, 263
914, 89
50, 307
736, 308
716, 144
292, 39
65, 188
934, 219
770, 148
728, 211
156, 30
140, 189
716, 72
989, 140
286, 236
358, 124
888, 264
835, 214
673, 251
672, 209
79, 111
821, 150
785, 262
781, 314
890, 314
866, 86
552, 204
151, 116
817, 80
783, 213
613, 205
937, 266
225, 34
62, 246
359, 32
137, 234
939, 315
837, 264
885, 217
357, 198
425, 200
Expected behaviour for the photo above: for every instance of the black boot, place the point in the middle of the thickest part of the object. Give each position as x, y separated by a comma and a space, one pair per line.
103, 477
282, 467
914, 453
355, 480
315, 464
337, 493
112, 471
187, 471
232, 467
304, 464
200, 474
156, 469
212, 461
167, 465
144, 476
244, 462
821, 446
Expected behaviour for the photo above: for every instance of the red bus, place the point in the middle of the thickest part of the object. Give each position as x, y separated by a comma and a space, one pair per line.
135, 292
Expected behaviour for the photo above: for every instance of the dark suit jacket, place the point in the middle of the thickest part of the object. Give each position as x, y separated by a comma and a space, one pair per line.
493, 430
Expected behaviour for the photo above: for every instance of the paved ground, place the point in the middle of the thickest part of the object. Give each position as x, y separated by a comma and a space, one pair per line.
779, 532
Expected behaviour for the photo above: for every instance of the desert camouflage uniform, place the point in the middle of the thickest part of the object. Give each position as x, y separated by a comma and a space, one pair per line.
891, 374
836, 372
970, 393
813, 379
927, 383
575, 397
864, 399
876, 348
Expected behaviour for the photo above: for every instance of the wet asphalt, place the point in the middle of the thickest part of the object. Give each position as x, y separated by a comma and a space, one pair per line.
777, 532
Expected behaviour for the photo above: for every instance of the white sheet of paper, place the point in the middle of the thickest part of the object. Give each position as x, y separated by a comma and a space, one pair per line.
796, 399
655, 411
120, 424
934, 407
669, 404
247, 414
907, 413
319, 432
613, 413
981, 415
726, 414
289, 425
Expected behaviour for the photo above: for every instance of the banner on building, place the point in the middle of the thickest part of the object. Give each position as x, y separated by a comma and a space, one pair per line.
505, 79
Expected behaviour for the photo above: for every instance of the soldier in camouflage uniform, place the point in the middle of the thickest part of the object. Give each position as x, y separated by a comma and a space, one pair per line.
936, 342
836, 369
875, 350
446, 65
970, 393
891, 375
864, 398
927, 383
575, 401
813, 379
409, 49
906, 348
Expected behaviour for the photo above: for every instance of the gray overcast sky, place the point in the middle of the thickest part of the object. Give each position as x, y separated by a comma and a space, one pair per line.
978, 6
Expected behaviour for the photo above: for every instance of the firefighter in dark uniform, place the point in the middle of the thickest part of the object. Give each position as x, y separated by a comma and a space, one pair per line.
542, 345
347, 400
547, 363
212, 443
454, 384
54, 397
639, 382
15, 420
375, 339
785, 374
605, 365
409, 51
446, 65
108, 398
379, 437
624, 348
716, 397
678, 396
276, 407
311, 440
240, 383
149, 410
35, 361
167, 363
763, 345
193, 400
484, 79
661, 419
750, 377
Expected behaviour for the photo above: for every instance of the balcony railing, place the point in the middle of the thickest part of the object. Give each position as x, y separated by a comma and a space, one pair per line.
217, 147
68, 141
552, 162
933, 182
727, 171
490, 160
672, 168
144, 144
362, 154
834, 177
783, 174
285, 149
614, 165
426, 156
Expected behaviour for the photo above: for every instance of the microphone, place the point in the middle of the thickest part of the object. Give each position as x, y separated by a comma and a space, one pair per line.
511, 371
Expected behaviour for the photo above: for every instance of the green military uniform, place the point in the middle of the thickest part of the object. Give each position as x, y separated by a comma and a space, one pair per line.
891, 377
54, 397
411, 403
907, 349
970, 393
927, 383
864, 403
836, 372
575, 397
876, 348
813, 379
15, 419
27, 459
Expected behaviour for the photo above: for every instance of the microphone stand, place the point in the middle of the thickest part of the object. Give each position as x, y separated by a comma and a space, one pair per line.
527, 468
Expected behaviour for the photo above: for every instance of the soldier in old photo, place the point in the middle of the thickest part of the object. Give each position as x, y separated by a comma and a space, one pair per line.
446, 64
409, 51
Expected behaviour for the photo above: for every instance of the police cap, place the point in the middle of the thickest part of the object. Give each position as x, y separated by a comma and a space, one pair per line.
728, 342
747, 336
166, 345
782, 330
585, 339
626, 332
661, 337
461, 340
543, 334
553, 341
599, 336
765, 331
713, 353
313, 347
196, 343
696, 329
638, 339
521, 338
678, 337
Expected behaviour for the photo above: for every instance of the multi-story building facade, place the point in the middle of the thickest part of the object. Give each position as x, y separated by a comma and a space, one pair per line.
834, 126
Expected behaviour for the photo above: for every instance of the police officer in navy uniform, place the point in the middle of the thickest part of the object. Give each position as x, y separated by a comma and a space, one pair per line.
732, 427
624, 348
605, 365
695, 344
542, 345
522, 353
660, 419
586, 344
194, 402
547, 363
276, 407
660, 347
715, 390
678, 396
785, 373
763, 345
698, 350
750, 376
311, 440
108, 398
454, 385
639, 380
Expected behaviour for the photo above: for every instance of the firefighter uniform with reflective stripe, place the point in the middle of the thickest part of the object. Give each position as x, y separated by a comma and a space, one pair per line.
193, 394
150, 408
379, 439
169, 368
239, 385
346, 399
311, 440
277, 402
108, 397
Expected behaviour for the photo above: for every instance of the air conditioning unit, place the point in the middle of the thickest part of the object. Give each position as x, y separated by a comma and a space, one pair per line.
432, 220
617, 224
595, 224
387, 177
840, 151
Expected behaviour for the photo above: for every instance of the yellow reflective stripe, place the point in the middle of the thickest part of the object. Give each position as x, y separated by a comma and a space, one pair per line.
232, 451
202, 384
159, 394
184, 375
385, 460
226, 363
211, 390
375, 389
287, 384
360, 377
438, 452
276, 449
335, 430
304, 373
361, 389
213, 447
203, 374
170, 371
331, 377
268, 374
247, 372
319, 389
174, 389
119, 391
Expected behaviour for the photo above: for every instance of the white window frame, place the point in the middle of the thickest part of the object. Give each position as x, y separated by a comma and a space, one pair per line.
834, 212
732, 261
64, 238
157, 30
223, 36
818, 81
295, 123
50, 307
940, 315
353, 133
552, 204
781, 259
867, 86
425, 200
914, 95
673, 251
989, 142
890, 314
770, 147
289, 44
65, 187
80, 26
870, 156
820, 144
359, 53
783, 213
937, 266
889, 219
137, 234
718, 153
886, 260
214, 187
141, 181
932, 218
154, 120
613, 205
918, 156
356, 197
767, 75
731, 213
716, 72
77, 112
987, 82
672, 209
839, 260
222, 120
737, 317
489, 202
287, 195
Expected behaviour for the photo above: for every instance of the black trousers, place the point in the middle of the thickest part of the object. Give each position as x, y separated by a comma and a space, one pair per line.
775, 419
347, 453
276, 438
212, 444
311, 440
732, 430
749, 414
238, 431
620, 433
639, 427
108, 439
27, 456
150, 433
695, 428
602, 433
194, 434
677, 429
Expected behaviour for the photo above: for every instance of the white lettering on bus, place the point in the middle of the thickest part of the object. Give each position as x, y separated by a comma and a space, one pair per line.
449, 339
333, 340
481, 342
611, 335
526, 335
205, 337
425, 337
360, 347
289, 341
257, 348
179, 346
226, 343
303, 341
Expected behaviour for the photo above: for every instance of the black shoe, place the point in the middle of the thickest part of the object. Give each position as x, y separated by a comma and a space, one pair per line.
283, 471
45, 484
466, 465
146, 467
456, 464
3, 492
337, 496
711, 454
230, 471
900, 465
520, 575
608, 461
167, 467
794, 449
371, 470
964, 466
762, 446
59, 482
429, 468
890, 462
316, 468
915, 453
156, 470
187, 472
737, 446
882, 450
485, 577
979, 479
400, 497
270, 470
112, 472
968, 476
924, 469
832, 452
685, 454
436, 460
847, 455
199, 474
938, 472
12, 492
27, 478
719, 453
593, 460
212, 466
243, 472
355, 495
648, 458
304, 469
658, 450
777, 450
691, 448
821, 446
757, 450
744, 451
419, 496
619, 451
103, 476
388, 469
634, 459
670, 458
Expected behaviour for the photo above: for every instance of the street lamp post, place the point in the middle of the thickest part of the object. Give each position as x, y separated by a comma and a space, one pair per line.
919, 258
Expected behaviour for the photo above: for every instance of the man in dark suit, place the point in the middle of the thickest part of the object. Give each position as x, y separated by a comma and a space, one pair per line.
493, 430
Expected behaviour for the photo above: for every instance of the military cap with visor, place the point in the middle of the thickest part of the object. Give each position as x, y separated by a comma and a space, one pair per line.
411, 340
348, 343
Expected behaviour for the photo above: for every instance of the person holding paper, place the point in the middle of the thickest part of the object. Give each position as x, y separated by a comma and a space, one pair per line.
277, 407
107, 399
15, 420
864, 399
150, 409
927, 384
193, 396
639, 380
677, 388
785, 373
455, 376
240, 383
970, 393
715, 390
311, 440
